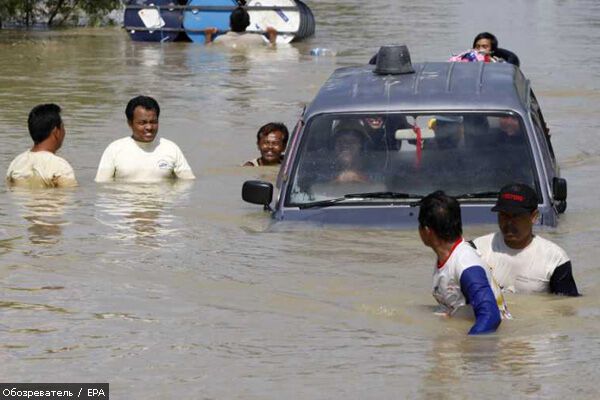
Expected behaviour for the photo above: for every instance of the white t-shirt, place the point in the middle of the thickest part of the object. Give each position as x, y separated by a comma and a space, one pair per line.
525, 270
131, 161
40, 169
240, 40
446, 280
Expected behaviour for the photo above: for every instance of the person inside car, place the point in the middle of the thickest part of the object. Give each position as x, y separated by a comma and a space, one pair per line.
349, 144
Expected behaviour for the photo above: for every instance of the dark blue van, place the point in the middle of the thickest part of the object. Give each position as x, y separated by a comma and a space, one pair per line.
376, 139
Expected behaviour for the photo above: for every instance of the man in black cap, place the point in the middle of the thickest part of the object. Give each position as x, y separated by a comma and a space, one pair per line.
522, 262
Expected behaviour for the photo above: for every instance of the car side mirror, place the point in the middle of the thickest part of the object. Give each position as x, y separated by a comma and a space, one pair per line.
258, 192
559, 189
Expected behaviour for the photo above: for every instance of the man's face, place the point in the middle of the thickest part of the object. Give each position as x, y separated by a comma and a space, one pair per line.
374, 122
509, 125
347, 148
271, 147
144, 125
517, 229
61, 135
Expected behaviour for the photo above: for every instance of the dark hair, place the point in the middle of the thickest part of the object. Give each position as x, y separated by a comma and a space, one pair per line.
239, 20
42, 119
141, 101
441, 213
272, 127
487, 35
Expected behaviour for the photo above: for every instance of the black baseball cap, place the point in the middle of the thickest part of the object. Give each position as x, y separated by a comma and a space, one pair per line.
516, 198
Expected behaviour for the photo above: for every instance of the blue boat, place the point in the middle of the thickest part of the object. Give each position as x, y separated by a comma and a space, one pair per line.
195, 21
154, 20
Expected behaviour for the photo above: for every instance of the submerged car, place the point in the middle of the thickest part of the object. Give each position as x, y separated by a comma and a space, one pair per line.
376, 139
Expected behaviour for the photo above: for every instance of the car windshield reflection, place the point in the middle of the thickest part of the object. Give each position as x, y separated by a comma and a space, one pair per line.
469, 155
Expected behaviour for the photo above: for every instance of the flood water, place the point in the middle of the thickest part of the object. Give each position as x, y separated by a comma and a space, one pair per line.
185, 291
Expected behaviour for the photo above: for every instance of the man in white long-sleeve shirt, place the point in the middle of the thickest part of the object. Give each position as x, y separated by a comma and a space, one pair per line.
142, 157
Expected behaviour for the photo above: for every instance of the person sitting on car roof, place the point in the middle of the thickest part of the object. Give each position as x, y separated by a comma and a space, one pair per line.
485, 49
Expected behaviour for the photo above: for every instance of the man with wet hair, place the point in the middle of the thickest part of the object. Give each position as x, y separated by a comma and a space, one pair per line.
522, 262
139, 157
271, 141
40, 166
239, 20
460, 276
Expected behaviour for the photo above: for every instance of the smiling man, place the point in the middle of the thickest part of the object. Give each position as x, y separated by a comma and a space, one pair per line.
522, 262
141, 157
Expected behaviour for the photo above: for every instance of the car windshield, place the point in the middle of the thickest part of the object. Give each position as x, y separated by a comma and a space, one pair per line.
400, 157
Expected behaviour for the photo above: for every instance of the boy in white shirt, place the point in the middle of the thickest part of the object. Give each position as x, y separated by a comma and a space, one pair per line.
40, 167
139, 157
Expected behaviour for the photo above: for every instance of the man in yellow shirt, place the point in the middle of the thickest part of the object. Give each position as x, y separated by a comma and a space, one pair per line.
40, 166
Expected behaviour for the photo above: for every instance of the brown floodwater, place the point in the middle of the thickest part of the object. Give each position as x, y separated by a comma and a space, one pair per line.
184, 291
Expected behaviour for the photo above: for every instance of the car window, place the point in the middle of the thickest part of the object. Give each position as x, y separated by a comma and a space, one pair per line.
459, 153
540, 126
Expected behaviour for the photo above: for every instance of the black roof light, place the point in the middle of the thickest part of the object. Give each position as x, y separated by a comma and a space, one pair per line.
393, 60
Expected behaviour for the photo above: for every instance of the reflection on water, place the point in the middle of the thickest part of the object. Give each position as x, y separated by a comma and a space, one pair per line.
142, 212
44, 210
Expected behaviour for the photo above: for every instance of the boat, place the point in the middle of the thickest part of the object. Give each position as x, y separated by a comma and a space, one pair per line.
186, 20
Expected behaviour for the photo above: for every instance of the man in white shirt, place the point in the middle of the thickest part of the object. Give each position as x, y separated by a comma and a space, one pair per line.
459, 276
237, 37
141, 157
40, 167
522, 262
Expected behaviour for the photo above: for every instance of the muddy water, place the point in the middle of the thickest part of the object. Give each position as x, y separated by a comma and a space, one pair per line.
184, 291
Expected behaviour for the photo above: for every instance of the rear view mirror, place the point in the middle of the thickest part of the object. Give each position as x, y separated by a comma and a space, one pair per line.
257, 192
559, 189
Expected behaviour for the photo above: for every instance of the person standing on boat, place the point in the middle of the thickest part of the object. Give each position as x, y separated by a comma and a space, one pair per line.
40, 166
522, 262
460, 276
141, 157
271, 141
239, 20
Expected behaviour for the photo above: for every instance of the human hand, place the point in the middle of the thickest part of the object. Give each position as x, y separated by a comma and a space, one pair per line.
351, 177
271, 34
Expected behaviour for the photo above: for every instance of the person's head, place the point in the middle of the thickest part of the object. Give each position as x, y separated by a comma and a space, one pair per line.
517, 208
448, 131
509, 124
374, 122
142, 117
271, 140
486, 43
44, 123
239, 20
439, 219
349, 140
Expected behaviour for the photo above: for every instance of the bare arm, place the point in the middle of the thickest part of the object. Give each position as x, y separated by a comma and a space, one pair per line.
272, 35
209, 34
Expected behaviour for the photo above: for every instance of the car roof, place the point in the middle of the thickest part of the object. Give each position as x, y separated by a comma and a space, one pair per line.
443, 86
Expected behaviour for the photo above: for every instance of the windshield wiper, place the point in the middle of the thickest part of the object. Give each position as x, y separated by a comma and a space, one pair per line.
383, 195
477, 195
367, 195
